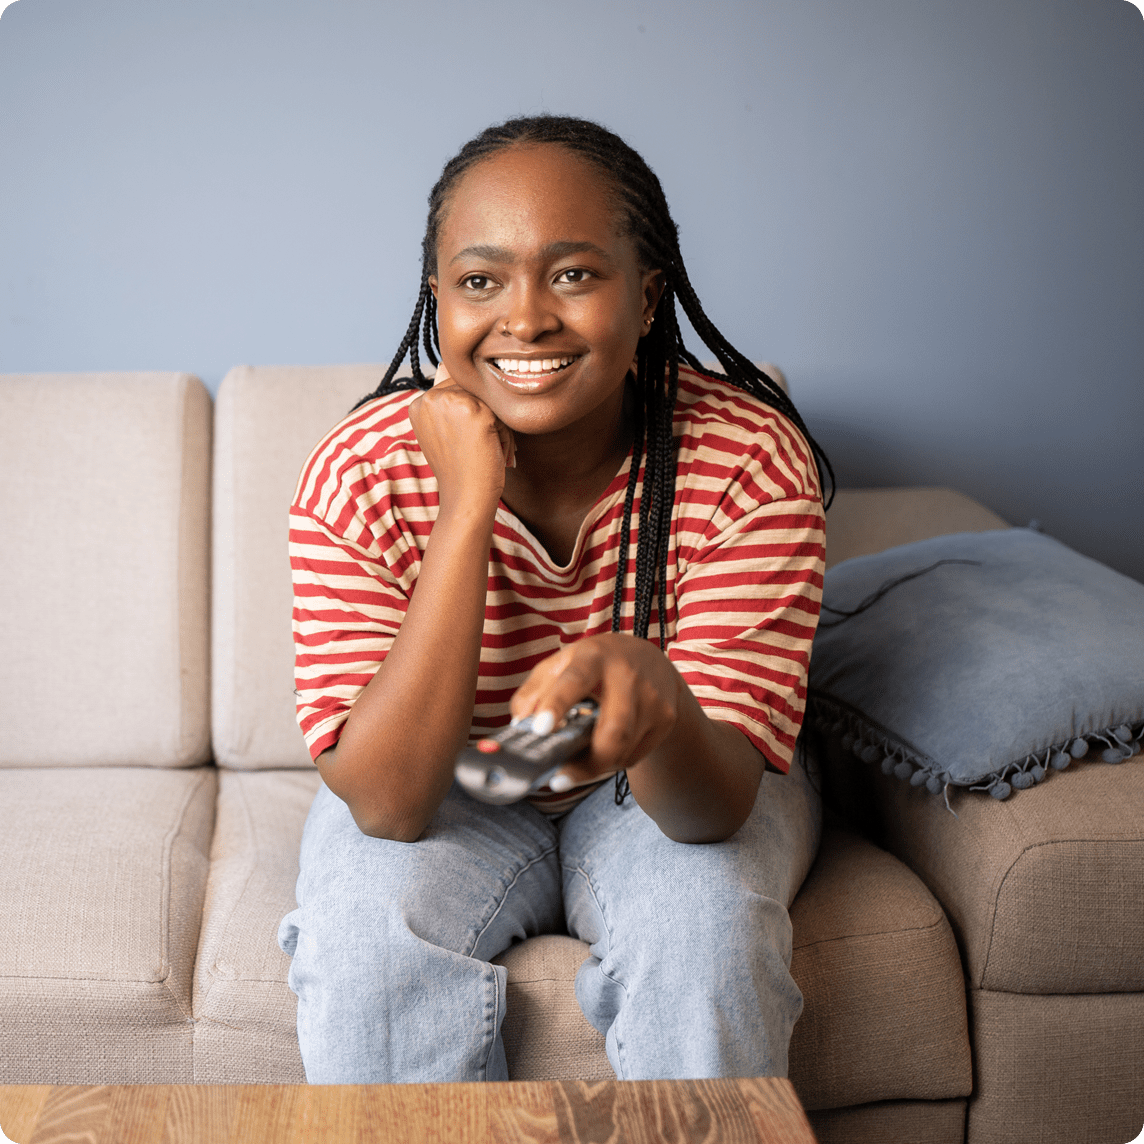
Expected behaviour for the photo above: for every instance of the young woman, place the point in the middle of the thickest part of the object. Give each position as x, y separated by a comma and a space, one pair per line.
572, 509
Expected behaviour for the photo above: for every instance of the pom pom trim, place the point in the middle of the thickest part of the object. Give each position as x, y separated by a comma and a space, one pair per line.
873, 745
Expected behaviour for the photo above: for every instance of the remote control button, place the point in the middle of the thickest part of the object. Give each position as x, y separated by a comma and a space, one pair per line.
488, 746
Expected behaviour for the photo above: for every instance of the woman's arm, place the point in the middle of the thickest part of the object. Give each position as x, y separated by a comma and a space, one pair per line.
394, 761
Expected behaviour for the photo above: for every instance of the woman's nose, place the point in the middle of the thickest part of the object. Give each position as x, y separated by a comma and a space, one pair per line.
530, 314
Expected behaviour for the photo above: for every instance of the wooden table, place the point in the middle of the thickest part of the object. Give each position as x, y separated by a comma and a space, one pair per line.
521, 1112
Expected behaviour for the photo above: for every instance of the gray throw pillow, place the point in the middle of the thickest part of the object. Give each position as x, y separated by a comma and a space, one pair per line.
988, 672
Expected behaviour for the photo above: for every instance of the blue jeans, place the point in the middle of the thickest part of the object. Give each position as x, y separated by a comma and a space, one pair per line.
690, 944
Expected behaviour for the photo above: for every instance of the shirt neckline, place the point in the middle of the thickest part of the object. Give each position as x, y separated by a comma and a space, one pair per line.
616, 487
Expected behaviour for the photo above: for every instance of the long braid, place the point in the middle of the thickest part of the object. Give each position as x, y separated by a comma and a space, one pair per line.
646, 219
390, 384
432, 344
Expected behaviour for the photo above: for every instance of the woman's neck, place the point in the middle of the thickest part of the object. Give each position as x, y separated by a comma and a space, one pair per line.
559, 476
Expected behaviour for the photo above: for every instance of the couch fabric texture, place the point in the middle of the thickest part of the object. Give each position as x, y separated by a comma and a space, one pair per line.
151, 839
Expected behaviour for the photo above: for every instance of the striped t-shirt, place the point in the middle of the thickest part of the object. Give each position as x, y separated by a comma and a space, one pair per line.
745, 564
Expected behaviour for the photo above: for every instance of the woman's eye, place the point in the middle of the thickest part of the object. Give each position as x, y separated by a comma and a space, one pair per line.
478, 282
573, 277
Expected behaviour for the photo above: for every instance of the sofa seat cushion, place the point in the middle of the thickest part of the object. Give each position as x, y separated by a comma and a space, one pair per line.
1045, 891
899, 1121
245, 1013
884, 1014
102, 876
546, 1036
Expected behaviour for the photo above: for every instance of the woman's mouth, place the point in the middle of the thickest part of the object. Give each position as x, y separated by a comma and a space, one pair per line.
529, 373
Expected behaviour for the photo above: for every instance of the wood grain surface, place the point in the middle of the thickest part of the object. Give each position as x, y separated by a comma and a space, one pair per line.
756, 1111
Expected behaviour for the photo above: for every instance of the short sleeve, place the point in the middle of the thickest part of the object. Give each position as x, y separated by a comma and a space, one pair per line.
348, 607
748, 594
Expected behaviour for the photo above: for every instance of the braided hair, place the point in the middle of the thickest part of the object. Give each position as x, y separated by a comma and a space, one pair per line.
646, 219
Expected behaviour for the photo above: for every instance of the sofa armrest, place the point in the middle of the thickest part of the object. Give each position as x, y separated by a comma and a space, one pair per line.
1045, 890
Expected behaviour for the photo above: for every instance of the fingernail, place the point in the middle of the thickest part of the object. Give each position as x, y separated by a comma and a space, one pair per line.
514, 720
559, 782
543, 723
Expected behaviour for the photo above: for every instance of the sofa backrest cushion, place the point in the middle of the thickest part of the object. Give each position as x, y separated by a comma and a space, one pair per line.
861, 522
267, 420
104, 572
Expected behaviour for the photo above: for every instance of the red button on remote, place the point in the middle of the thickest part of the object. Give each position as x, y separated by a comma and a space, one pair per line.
488, 746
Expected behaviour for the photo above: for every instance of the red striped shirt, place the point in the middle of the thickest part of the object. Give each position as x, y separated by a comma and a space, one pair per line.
745, 564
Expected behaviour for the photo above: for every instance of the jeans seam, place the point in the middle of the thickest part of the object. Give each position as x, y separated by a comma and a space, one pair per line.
504, 897
492, 1039
608, 930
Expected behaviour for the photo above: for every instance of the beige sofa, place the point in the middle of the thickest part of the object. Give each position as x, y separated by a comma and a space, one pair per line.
979, 978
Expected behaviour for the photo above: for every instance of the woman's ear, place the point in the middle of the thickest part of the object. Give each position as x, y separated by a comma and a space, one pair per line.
653, 284
433, 284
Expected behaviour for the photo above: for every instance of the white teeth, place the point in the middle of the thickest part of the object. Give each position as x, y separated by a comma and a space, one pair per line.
538, 365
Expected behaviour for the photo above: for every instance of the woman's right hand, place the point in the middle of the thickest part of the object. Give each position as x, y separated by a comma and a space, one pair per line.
466, 444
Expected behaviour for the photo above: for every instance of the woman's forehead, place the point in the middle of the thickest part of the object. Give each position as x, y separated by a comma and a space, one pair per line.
530, 192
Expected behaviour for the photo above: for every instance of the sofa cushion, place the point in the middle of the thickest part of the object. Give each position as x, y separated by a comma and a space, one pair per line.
1057, 1068
864, 521
883, 993
1045, 892
994, 659
900, 1121
245, 1013
104, 499
267, 420
102, 874
546, 1036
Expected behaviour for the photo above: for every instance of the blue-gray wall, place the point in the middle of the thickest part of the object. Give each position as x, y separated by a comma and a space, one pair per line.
930, 212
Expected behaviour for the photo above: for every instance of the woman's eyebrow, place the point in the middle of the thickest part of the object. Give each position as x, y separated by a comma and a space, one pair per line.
552, 250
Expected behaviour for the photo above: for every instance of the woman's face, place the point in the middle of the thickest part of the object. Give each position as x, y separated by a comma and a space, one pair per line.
540, 301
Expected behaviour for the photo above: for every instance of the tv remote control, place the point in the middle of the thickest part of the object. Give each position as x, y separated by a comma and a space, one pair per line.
506, 766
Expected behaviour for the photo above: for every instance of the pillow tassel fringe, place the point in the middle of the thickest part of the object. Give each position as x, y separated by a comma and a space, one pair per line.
872, 746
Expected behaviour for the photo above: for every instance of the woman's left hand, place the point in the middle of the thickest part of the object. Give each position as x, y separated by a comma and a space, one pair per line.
635, 685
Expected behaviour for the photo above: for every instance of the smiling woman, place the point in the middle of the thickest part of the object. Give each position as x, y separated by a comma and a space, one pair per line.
552, 277
461, 551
